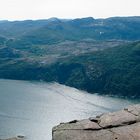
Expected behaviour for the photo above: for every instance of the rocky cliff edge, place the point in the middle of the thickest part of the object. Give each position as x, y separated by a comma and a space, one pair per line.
120, 125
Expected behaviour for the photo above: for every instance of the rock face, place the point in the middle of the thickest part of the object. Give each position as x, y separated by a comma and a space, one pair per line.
121, 125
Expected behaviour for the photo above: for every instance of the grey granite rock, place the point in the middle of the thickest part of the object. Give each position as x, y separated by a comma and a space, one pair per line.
120, 125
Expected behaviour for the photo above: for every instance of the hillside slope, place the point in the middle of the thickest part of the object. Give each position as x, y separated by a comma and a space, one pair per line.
112, 71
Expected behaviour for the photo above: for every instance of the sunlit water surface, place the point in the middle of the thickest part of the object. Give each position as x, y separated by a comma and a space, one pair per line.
32, 108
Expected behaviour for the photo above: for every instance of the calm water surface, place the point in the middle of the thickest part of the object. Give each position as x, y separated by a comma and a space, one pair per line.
32, 109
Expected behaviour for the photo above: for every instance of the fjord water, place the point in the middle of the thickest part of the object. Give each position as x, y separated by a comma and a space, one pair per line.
33, 108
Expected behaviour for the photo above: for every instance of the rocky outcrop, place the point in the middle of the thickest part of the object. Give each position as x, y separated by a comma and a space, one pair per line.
120, 125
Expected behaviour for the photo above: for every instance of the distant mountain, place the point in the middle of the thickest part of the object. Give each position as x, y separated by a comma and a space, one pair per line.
96, 55
55, 30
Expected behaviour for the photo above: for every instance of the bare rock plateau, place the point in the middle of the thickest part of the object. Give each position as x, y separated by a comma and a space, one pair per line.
120, 125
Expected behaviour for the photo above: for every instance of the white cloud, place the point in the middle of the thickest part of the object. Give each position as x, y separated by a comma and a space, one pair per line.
37, 9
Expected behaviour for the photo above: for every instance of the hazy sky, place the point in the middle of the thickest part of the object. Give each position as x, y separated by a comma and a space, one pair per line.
38, 9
